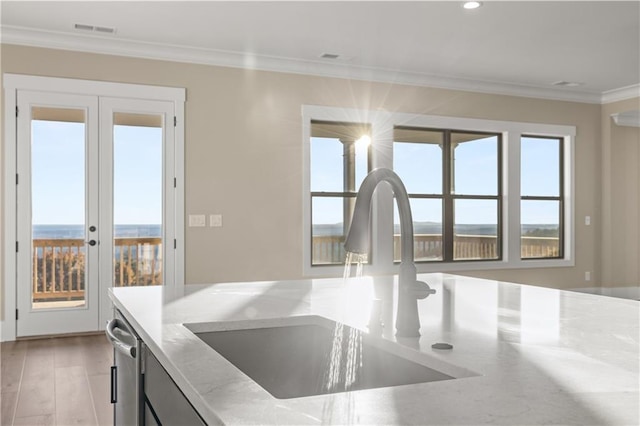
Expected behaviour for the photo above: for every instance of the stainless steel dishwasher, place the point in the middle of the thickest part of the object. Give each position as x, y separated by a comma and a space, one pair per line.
126, 373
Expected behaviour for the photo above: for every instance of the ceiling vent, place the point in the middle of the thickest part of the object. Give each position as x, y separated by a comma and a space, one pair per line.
335, 57
330, 56
95, 28
563, 83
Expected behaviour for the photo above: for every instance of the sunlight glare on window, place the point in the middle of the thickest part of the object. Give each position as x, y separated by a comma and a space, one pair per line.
339, 161
363, 142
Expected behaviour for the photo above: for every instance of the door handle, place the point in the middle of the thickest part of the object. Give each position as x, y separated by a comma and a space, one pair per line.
121, 346
114, 384
91, 242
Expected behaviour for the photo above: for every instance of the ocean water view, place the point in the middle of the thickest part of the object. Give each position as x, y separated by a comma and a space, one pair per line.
145, 230
77, 231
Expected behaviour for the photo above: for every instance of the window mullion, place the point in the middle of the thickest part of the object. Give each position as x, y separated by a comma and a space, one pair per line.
541, 197
562, 231
349, 181
447, 199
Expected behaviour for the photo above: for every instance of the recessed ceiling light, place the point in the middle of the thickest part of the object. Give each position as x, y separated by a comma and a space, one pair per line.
472, 4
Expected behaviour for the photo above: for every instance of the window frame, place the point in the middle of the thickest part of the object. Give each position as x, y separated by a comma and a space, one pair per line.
451, 197
344, 194
382, 124
560, 198
448, 197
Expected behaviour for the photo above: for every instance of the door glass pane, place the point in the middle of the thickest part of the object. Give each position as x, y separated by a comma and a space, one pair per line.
475, 230
137, 199
427, 229
58, 151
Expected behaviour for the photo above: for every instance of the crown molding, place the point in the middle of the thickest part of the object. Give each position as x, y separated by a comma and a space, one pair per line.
621, 94
628, 118
130, 48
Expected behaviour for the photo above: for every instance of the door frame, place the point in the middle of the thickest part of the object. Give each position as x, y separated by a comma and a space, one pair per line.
12, 83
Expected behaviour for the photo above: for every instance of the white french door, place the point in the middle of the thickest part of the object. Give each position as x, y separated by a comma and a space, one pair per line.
57, 213
95, 205
137, 197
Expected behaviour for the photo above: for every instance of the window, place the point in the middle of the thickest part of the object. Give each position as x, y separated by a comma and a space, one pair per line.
339, 161
541, 189
453, 181
484, 194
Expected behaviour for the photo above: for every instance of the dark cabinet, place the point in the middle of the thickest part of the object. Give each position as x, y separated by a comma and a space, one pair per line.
164, 402
126, 395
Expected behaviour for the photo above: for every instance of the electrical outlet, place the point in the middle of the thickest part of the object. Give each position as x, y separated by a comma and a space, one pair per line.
197, 220
215, 220
587, 276
587, 220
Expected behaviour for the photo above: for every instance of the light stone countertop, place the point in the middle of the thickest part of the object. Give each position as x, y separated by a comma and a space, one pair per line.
542, 356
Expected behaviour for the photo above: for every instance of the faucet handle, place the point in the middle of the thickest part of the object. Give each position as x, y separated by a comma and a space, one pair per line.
422, 290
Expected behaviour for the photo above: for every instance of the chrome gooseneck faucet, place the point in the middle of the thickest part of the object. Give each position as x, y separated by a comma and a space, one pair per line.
409, 289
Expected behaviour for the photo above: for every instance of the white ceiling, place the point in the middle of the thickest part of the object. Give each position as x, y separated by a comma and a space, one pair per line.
515, 47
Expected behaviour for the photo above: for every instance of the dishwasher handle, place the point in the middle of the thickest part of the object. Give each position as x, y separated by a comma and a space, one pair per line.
118, 344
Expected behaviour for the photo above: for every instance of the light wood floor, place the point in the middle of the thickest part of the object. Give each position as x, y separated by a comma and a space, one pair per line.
57, 381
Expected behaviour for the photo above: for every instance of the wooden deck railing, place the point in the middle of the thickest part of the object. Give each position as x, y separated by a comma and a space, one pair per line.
58, 269
329, 249
59, 266
533, 247
138, 261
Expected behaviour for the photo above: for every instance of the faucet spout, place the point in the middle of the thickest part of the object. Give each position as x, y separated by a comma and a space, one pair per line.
409, 289
358, 238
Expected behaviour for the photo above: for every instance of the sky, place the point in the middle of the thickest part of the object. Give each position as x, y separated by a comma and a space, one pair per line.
58, 171
419, 166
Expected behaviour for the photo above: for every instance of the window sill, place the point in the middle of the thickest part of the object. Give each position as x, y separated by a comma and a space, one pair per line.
333, 271
494, 265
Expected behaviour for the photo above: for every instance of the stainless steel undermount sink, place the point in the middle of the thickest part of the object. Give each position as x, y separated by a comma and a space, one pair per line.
311, 355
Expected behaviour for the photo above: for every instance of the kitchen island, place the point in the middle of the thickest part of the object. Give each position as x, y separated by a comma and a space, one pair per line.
530, 355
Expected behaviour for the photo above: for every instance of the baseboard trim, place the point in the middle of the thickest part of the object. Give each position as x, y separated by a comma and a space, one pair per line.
622, 292
632, 292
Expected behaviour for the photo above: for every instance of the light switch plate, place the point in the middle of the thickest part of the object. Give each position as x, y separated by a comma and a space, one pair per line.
215, 220
197, 220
